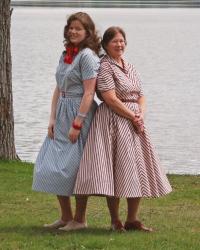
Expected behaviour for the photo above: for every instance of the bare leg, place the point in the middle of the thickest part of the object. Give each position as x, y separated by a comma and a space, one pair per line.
132, 223
133, 206
81, 204
65, 205
113, 206
79, 221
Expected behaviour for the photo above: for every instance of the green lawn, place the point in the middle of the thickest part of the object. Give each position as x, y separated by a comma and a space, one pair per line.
175, 217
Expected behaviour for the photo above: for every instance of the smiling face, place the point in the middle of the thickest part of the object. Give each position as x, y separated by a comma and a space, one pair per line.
76, 32
115, 47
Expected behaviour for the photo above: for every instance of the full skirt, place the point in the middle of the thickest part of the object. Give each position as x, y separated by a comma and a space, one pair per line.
58, 160
119, 162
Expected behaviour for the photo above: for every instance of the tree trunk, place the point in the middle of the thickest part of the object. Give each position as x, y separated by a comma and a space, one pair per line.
7, 144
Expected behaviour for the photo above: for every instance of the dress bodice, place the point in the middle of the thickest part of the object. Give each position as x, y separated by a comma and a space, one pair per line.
125, 81
70, 77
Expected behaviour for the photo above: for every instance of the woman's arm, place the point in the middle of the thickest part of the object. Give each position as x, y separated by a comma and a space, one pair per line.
86, 102
52, 119
117, 105
142, 104
87, 99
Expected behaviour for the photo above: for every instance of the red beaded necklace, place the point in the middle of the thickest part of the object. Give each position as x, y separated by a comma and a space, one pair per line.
71, 52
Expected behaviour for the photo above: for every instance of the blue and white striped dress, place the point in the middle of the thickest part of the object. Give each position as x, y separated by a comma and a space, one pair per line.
58, 160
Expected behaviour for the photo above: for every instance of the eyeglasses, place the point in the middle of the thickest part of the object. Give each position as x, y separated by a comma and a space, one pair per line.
117, 41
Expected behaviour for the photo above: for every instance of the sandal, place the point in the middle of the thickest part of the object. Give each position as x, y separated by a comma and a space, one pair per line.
117, 226
136, 225
56, 224
74, 225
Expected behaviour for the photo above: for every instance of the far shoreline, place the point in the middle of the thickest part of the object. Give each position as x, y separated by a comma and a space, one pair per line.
109, 4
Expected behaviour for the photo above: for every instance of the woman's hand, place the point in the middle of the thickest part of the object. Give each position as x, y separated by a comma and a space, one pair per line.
73, 134
138, 123
51, 128
139, 117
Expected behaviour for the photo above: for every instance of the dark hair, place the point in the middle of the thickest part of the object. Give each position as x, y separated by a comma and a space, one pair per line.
92, 40
110, 33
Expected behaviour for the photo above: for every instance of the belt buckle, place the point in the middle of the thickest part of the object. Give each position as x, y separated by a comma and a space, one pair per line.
63, 94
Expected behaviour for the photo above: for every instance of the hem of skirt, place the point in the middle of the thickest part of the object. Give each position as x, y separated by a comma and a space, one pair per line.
51, 192
123, 196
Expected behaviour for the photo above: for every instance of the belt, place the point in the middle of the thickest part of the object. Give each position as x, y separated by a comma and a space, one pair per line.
70, 95
129, 100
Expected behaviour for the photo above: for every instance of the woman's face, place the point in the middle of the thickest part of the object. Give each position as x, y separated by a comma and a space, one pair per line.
76, 32
115, 48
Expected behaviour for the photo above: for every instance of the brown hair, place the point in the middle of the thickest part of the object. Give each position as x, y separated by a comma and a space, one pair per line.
92, 40
110, 33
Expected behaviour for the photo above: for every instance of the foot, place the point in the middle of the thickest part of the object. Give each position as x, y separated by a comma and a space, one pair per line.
56, 224
117, 226
136, 225
74, 225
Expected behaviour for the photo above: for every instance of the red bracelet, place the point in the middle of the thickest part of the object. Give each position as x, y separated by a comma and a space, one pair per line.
75, 126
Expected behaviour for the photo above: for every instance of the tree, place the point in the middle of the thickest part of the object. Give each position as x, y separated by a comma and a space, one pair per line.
7, 143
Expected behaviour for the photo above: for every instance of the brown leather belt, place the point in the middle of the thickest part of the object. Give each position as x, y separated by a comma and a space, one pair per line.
128, 100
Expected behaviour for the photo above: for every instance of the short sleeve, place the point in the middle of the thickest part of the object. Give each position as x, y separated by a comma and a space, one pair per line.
105, 80
61, 57
89, 64
58, 73
138, 82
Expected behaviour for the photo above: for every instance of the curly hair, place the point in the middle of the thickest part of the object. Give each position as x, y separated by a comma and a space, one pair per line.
110, 33
92, 39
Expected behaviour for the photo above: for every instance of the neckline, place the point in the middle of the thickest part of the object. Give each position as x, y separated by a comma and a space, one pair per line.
112, 61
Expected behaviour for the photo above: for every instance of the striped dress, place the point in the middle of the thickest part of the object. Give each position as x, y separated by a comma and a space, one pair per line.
116, 160
58, 160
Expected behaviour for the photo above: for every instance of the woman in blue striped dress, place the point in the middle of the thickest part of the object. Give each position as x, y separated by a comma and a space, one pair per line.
72, 111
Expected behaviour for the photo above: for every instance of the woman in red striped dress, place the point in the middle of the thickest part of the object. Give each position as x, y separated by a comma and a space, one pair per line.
119, 159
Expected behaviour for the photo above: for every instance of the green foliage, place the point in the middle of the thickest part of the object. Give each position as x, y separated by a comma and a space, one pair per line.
175, 217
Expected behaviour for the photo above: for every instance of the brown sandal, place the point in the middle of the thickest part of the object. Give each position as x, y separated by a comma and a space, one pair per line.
136, 225
117, 226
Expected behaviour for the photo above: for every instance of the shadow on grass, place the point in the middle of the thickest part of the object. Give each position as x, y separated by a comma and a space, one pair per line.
37, 230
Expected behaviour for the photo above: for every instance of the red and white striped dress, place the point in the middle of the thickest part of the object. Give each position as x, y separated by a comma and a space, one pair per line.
116, 160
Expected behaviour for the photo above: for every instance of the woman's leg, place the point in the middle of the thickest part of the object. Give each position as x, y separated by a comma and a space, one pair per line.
81, 205
79, 221
65, 205
66, 213
133, 207
132, 222
113, 206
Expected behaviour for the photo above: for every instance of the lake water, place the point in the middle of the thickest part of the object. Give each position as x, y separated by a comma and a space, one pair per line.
163, 44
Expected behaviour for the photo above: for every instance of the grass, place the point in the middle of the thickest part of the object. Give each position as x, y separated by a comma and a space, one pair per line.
176, 217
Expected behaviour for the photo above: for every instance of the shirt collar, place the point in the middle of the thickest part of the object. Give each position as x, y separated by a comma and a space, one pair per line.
112, 61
